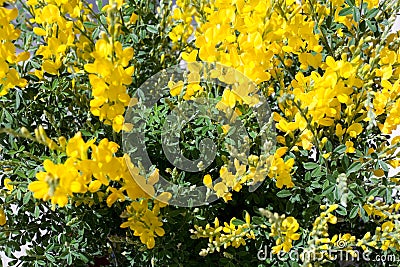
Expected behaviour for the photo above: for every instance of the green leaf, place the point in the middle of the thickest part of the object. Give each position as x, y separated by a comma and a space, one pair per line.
328, 146
69, 259
50, 257
354, 167
325, 185
389, 198
356, 14
364, 215
383, 165
372, 13
345, 11
362, 191
351, 3
316, 184
152, 28
328, 190
17, 100
341, 210
374, 192
257, 220
372, 27
99, 4
19, 194
310, 165
83, 258
237, 222
317, 173
135, 38
295, 198
353, 212
307, 176
340, 149
36, 213
89, 24
284, 193
27, 197
336, 193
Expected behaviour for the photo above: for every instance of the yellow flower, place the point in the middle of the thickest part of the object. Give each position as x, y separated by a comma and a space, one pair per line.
220, 188
7, 184
281, 170
133, 18
9, 76
379, 173
354, 129
387, 226
207, 180
190, 57
289, 227
228, 100
3, 217
50, 14
144, 222
175, 88
350, 147
116, 195
285, 230
339, 130
77, 148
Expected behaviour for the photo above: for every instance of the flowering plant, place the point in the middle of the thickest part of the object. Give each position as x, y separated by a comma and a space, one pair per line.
296, 100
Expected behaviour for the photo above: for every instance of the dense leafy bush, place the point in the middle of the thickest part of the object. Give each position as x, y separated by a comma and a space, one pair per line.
292, 183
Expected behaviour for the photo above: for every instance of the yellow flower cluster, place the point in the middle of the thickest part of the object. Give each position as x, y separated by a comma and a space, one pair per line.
386, 101
242, 92
280, 169
144, 221
181, 20
386, 236
381, 209
257, 38
94, 169
233, 35
82, 173
247, 34
282, 227
253, 173
319, 100
61, 25
230, 234
110, 73
9, 76
319, 242
109, 76
193, 86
